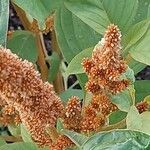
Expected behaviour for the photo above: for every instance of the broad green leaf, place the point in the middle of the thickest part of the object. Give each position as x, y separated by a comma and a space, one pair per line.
71, 32
82, 78
72, 35
135, 33
133, 120
99, 15
142, 11
138, 122
19, 146
136, 66
25, 134
2, 142
91, 12
118, 140
116, 117
14, 129
145, 116
141, 51
75, 66
71, 92
23, 43
75, 137
121, 12
123, 100
4, 16
54, 63
36, 9
142, 89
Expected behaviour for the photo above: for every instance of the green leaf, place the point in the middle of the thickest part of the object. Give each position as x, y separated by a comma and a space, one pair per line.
129, 74
72, 35
118, 140
4, 16
139, 122
23, 44
59, 125
75, 137
2, 142
142, 89
99, 15
116, 117
82, 78
143, 10
71, 92
121, 12
14, 129
25, 134
123, 100
135, 33
133, 119
145, 116
141, 51
75, 66
35, 8
136, 66
19, 146
90, 12
54, 63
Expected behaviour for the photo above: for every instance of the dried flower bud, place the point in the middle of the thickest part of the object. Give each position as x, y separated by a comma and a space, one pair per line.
91, 120
72, 115
142, 106
61, 143
22, 88
92, 87
87, 64
112, 36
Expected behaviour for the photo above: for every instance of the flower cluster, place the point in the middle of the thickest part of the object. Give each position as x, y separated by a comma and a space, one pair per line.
61, 143
22, 88
106, 65
72, 114
104, 72
9, 115
142, 106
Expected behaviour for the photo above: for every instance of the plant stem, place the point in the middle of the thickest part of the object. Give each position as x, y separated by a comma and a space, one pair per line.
58, 82
11, 138
40, 43
53, 133
41, 57
118, 125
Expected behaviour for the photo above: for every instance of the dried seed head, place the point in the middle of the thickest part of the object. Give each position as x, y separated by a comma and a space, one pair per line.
142, 106
22, 88
87, 64
72, 115
61, 143
112, 36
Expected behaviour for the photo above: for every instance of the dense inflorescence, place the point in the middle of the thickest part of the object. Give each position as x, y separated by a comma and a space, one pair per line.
106, 65
72, 114
22, 88
142, 106
61, 143
104, 72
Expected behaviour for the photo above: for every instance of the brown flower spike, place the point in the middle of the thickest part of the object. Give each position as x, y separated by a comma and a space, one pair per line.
72, 115
106, 65
104, 70
22, 88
